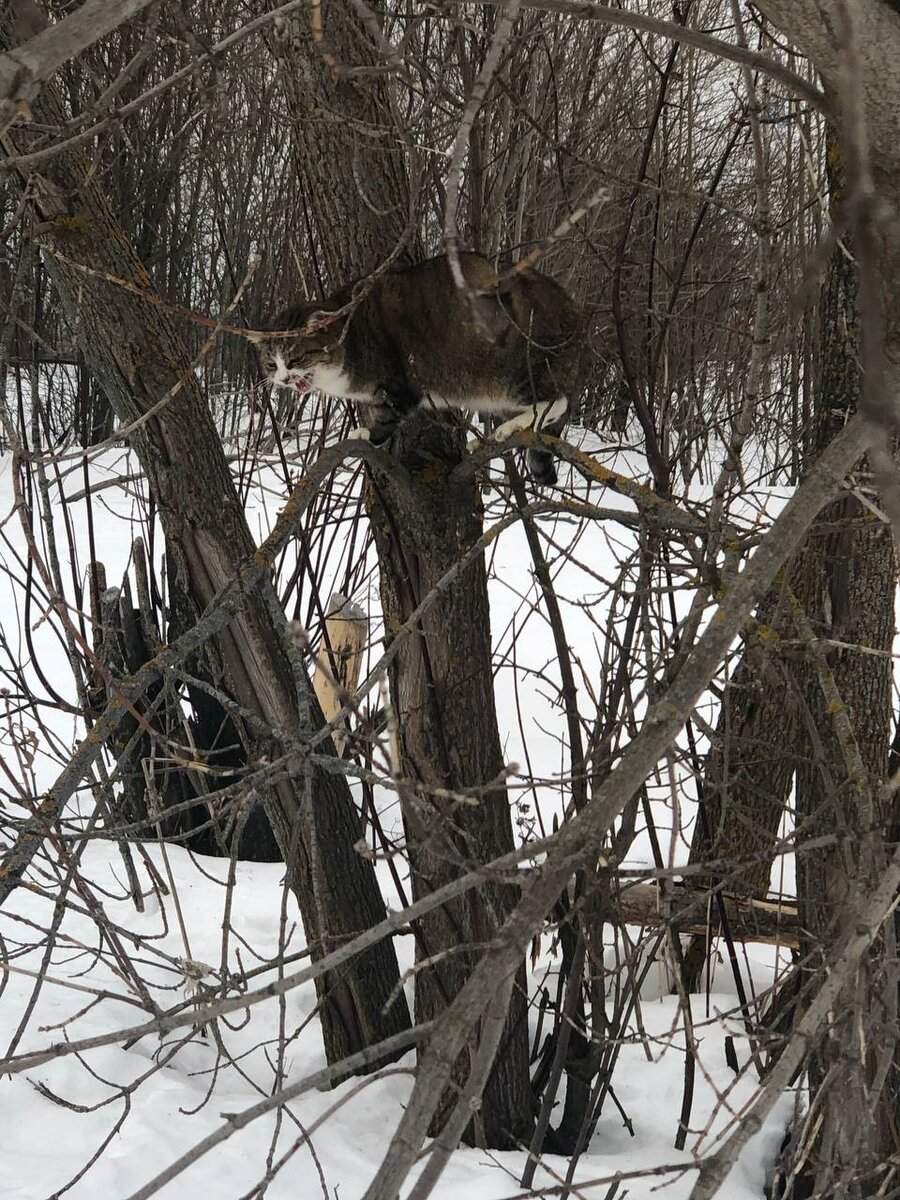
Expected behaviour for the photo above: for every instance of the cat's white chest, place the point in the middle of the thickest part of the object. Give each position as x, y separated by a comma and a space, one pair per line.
335, 381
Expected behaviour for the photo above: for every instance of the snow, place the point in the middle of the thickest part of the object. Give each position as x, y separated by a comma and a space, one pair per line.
138, 1106
47, 1145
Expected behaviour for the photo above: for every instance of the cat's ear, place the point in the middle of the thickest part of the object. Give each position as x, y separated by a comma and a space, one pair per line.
492, 314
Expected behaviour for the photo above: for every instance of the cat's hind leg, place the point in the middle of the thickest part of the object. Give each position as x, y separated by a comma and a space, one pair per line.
550, 417
541, 466
379, 419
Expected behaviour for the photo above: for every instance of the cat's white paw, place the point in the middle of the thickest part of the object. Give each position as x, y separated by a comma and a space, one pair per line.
508, 428
535, 417
360, 434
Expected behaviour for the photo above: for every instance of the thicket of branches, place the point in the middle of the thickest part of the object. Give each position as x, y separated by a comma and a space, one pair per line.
727, 228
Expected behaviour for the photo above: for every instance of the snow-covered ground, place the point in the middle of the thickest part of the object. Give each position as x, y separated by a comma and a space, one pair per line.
104, 1122
47, 1144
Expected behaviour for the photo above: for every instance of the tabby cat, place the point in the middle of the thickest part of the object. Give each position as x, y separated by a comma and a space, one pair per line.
415, 338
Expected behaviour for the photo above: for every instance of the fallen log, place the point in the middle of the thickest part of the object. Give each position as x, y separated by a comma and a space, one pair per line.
771, 922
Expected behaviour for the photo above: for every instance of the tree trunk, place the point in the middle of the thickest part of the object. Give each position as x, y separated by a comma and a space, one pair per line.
844, 580
354, 177
441, 680
751, 762
443, 690
135, 352
845, 583
747, 774
843, 600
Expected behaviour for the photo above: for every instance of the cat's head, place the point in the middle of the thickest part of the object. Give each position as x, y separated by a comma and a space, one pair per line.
293, 358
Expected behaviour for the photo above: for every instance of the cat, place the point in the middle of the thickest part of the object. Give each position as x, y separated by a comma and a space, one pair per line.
415, 338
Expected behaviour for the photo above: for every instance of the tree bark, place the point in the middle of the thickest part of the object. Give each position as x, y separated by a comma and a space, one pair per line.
747, 774
751, 763
845, 585
136, 353
443, 690
441, 680
844, 580
353, 174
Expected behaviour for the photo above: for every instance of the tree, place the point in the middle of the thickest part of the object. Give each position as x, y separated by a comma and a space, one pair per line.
612, 144
423, 523
845, 584
134, 351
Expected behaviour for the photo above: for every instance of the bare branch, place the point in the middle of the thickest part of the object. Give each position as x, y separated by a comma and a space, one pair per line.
629, 19
23, 70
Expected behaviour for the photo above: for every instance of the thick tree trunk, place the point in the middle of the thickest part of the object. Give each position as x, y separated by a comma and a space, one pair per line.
751, 762
442, 687
441, 681
844, 581
748, 773
353, 172
133, 349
